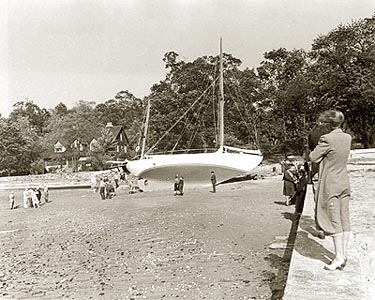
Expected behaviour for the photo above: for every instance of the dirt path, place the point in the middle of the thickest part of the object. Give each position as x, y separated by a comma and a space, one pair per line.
147, 246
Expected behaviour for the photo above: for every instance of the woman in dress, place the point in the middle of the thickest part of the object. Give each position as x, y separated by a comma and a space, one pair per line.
333, 189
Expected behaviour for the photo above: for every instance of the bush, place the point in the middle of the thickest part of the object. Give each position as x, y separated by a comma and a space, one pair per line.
37, 167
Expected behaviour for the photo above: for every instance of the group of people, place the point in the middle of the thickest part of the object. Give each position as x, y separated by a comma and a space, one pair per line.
295, 178
106, 183
178, 185
329, 153
32, 197
106, 188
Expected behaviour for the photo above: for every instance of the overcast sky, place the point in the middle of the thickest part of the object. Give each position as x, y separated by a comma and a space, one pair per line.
69, 50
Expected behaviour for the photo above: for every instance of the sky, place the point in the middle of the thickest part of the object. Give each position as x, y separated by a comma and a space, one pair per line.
69, 50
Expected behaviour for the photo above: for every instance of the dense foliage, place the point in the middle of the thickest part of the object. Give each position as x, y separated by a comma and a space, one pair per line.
272, 107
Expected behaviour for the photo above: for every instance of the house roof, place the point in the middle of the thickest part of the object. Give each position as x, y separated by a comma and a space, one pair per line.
115, 130
58, 144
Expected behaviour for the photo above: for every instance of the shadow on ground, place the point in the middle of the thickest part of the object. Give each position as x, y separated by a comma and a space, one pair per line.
309, 247
306, 247
277, 281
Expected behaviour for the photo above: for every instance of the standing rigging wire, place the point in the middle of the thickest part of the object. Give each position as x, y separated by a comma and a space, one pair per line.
196, 124
181, 117
183, 132
197, 115
249, 120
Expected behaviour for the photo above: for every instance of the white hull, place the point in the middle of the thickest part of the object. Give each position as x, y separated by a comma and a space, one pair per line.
196, 168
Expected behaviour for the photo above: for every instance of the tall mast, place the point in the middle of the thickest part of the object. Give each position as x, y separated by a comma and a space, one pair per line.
146, 128
221, 100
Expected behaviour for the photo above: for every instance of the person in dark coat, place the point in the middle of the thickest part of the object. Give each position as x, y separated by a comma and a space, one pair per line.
175, 185
11, 200
213, 181
38, 193
313, 139
290, 181
181, 186
301, 190
333, 188
110, 190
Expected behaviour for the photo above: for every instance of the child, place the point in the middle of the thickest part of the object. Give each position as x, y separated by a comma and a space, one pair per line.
11, 200
110, 190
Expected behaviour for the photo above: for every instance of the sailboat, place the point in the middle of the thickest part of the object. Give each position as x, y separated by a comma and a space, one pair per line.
227, 162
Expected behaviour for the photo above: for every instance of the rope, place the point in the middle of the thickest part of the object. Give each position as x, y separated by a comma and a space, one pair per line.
198, 125
182, 116
254, 134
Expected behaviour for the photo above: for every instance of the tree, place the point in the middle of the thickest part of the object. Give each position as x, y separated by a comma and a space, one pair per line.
188, 83
80, 123
100, 152
286, 104
124, 109
61, 109
19, 146
37, 117
344, 69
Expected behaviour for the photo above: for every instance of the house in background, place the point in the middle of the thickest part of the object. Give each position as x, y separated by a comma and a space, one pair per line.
58, 161
59, 148
79, 155
93, 144
120, 140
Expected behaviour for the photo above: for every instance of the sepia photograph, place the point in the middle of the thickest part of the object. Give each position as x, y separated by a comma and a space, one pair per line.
185, 149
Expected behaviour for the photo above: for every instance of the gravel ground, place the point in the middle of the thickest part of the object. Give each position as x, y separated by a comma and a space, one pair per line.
228, 245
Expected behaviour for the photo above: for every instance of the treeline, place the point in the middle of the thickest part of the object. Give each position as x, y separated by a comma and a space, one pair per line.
272, 107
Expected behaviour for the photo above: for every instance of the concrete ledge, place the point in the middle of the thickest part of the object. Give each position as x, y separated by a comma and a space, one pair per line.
54, 186
308, 280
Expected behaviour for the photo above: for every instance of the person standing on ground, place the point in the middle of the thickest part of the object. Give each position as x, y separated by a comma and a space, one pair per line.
301, 190
110, 190
25, 195
102, 188
175, 185
313, 139
11, 200
39, 194
290, 182
46, 194
213, 181
34, 198
116, 178
181, 186
333, 188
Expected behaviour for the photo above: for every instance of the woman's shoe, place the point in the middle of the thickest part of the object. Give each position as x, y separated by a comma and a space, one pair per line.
334, 265
344, 263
